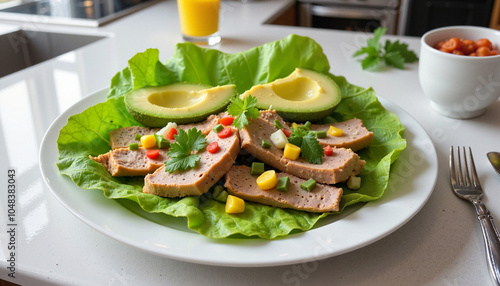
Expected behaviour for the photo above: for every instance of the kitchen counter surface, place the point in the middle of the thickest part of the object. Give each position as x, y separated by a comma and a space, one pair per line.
440, 245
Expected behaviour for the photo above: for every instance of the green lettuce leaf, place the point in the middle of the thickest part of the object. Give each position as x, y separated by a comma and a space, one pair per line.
87, 133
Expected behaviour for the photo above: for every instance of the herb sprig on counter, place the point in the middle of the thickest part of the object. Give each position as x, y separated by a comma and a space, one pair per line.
181, 152
394, 54
243, 110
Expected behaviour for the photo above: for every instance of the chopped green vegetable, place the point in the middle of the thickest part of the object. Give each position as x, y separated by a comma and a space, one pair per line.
394, 53
277, 124
257, 168
133, 146
306, 126
220, 194
265, 144
243, 110
217, 128
161, 142
320, 134
283, 184
309, 145
181, 152
308, 185
138, 136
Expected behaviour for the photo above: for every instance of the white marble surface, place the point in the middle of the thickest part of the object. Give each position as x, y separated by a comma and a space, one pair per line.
441, 245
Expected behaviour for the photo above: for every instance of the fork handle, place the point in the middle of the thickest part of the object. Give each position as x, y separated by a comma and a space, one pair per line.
491, 239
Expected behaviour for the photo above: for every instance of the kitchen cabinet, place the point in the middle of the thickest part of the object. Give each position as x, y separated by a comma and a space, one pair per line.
425, 15
495, 16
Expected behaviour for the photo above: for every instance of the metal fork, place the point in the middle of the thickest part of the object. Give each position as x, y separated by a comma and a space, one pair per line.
468, 187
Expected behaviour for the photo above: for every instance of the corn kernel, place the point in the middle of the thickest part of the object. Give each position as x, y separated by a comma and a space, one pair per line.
291, 151
267, 180
334, 131
294, 125
148, 141
234, 205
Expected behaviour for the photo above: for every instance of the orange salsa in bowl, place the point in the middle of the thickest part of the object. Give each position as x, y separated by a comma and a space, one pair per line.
479, 48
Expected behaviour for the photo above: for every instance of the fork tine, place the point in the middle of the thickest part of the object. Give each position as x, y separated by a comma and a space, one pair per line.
452, 167
460, 173
475, 177
466, 169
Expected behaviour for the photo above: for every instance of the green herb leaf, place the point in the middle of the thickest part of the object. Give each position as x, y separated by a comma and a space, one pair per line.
310, 149
181, 152
374, 42
296, 136
395, 59
181, 163
309, 145
370, 62
370, 51
408, 55
393, 53
243, 110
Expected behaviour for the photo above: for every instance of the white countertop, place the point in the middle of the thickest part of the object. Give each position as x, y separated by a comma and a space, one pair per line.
441, 245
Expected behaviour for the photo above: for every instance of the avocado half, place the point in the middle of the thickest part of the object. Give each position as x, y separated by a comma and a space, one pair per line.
303, 95
179, 102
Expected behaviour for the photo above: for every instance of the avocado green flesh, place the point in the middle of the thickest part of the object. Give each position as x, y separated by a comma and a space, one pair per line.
303, 95
180, 103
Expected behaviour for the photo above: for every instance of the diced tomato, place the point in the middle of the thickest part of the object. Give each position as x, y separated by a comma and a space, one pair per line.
451, 44
328, 150
226, 132
483, 51
171, 133
481, 47
484, 43
213, 147
226, 121
153, 154
287, 133
439, 45
468, 46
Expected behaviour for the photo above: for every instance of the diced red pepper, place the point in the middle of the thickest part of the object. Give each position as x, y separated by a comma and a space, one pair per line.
213, 147
171, 133
153, 154
287, 133
328, 150
226, 121
226, 132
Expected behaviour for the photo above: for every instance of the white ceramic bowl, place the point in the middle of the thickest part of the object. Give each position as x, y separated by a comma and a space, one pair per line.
459, 86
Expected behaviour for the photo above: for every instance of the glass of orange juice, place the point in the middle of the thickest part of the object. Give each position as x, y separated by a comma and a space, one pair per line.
199, 21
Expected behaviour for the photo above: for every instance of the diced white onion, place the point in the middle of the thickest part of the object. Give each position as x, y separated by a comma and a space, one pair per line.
164, 131
354, 182
279, 139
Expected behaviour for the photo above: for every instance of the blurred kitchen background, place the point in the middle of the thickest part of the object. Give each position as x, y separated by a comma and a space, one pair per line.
21, 47
401, 17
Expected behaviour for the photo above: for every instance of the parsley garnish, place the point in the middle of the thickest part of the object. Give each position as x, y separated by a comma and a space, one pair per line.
181, 152
394, 53
309, 145
243, 110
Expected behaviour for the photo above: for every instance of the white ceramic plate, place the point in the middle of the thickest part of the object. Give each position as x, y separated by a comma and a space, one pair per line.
412, 180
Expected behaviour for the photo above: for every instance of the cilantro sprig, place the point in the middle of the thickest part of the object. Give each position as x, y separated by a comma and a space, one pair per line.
181, 152
394, 54
243, 110
309, 145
